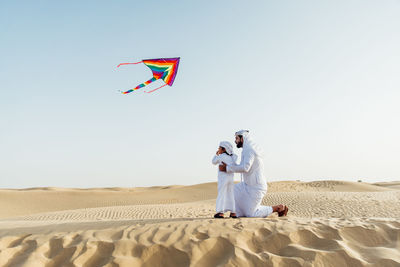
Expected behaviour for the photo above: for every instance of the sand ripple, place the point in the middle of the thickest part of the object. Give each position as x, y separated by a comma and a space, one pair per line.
207, 242
302, 204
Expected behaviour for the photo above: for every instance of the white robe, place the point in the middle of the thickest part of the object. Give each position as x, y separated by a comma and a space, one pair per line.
225, 199
248, 199
251, 191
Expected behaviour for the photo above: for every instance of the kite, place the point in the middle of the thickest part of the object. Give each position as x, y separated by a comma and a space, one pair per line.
162, 68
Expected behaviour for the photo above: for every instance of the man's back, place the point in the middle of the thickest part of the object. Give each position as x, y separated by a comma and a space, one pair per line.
255, 174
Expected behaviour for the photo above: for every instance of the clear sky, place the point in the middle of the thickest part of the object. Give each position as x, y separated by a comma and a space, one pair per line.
316, 82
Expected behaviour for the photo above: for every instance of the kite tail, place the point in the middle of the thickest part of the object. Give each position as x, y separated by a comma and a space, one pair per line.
128, 63
155, 89
140, 85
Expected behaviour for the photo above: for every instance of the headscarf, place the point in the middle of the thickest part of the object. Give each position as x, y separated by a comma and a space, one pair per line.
228, 146
248, 143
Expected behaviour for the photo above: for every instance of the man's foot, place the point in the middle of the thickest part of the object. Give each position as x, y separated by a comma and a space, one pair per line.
233, 215
284, 211
219, 215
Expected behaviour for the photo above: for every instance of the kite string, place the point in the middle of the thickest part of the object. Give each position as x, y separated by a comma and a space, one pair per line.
155, 89
128, 63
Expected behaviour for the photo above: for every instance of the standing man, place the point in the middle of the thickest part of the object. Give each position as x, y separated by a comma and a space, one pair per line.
250, 192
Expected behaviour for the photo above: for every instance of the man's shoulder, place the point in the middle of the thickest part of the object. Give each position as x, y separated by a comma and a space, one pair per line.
248, 150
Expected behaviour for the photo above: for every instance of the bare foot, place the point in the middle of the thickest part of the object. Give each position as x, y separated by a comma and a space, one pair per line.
283, 212
278, 208
281, 209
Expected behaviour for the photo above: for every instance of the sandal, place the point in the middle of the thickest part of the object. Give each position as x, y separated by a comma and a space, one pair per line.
219, 216
283, 212
233, 215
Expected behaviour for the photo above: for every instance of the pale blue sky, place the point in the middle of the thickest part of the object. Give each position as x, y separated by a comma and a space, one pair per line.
316, 82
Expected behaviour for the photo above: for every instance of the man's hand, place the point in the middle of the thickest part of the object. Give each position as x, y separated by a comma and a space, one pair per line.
222, 167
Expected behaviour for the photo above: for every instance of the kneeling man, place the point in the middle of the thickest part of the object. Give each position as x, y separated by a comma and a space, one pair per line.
250, 192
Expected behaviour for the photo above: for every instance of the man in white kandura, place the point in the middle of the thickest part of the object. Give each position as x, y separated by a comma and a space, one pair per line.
250, 192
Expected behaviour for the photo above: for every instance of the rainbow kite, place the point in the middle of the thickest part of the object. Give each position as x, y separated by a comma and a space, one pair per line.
162, 68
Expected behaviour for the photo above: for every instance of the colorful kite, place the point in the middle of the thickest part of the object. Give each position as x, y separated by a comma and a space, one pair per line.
162, 68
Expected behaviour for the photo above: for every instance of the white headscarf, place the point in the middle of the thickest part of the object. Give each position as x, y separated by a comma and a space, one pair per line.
248, 143
228, 146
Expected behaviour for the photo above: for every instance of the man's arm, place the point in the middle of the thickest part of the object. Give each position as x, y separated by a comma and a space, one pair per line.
245, 164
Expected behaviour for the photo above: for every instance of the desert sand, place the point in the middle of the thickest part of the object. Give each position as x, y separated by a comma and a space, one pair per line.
330, 223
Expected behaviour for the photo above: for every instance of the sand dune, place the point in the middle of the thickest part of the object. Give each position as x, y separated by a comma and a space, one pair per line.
330, 223
207, 242
389, 185
29, 201
15, 202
